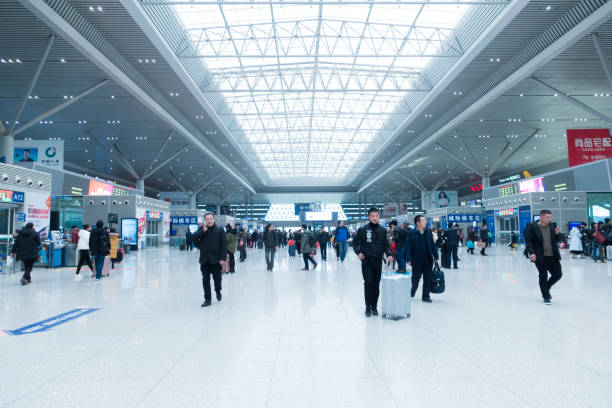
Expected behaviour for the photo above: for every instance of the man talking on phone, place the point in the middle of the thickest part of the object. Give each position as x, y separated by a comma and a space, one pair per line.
541, 243
212, 243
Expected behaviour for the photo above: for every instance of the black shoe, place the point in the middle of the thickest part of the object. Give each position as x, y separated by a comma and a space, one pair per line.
412, 293
374, 311
305, 269
232, 271
428, 300
206, 303
29, 280
368, 311
315, 266
547, 301
219, 297
455, 267
24, 281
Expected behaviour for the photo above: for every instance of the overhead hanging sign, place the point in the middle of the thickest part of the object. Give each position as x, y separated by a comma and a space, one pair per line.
46, 152
588, 145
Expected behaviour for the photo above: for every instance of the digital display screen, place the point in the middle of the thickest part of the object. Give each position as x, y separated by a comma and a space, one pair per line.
129, 230
319, 216
535, 185
563, 181
9, 196
508, 190
574, 224
74, 185
99, 188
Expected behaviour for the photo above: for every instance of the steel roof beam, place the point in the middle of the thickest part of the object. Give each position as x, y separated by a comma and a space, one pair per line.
163, 149
52, 19
57, 108
33, 81
165, 162
602, 57
112, 154
523, 143
448, 175
323, 2
580, 30
498, 160
203, 186
464, 145
178, 183
460, 160
89, 170
574, 101
126, 161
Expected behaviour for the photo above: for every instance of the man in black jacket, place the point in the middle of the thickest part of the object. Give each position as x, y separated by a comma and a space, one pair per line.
212, 243
421, 253
541, 240
99, 244
483, 236
270, 239
371, 244
25, 249
451, 238
323, 239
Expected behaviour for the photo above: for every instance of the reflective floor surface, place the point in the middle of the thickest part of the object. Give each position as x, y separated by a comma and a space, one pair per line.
294, 338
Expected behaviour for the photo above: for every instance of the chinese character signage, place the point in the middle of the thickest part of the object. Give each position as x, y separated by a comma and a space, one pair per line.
46, 152
184, 220
588, 145
9, 196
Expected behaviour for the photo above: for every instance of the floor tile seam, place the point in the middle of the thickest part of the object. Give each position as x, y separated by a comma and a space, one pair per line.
273, 372
372, 360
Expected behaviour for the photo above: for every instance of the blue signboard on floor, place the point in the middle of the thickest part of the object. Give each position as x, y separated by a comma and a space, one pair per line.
51, 322
21, 217
524, 219
491, 223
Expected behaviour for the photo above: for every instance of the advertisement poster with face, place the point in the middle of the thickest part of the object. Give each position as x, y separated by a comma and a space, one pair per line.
166, 226
46, 152
443, 199
38, 209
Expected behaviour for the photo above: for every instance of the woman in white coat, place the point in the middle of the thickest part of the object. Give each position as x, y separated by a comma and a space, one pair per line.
576, 242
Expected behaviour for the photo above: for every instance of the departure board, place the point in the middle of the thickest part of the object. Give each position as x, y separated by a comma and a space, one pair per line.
508, 190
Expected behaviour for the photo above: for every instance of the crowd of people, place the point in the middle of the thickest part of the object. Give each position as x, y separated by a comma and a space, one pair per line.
591, 241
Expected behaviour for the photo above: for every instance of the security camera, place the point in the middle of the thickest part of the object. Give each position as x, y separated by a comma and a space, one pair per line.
564, 199
576, 199
29, 182
5, 177
114, 202
542, 199
554, 199
102, 202
40, 184
91, 202
126, 202
17, 179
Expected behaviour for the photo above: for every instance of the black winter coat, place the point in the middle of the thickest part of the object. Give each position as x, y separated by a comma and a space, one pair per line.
212, 244
451, 238
534, 244
411, 244
26, 245
371, 240
323, 238
270, 239
484, 235
99, 242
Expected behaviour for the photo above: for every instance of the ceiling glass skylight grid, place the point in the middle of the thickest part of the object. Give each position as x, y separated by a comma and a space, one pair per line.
310, 87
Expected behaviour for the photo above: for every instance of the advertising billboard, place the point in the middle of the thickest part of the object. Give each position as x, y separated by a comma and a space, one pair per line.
129, 230
46, 152
535, 185
588, 145
100, 188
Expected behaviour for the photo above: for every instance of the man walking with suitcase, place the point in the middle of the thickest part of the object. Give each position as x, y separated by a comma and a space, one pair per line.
212, 243
371, 244
421, 253
541, 240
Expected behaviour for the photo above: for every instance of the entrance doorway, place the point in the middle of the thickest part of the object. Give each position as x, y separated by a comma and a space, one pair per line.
153, 227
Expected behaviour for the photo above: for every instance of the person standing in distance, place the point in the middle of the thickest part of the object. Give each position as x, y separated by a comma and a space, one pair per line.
308, 243
371, 244
483, 236
270, 239
25, 249
99, 243
421, 253
541, 240
323, 240
341, 240
212, 243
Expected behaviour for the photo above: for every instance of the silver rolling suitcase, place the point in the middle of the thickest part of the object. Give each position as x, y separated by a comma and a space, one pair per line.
609, 252
396, 295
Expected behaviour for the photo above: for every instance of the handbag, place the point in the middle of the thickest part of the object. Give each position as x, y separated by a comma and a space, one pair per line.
438, 284
481, 244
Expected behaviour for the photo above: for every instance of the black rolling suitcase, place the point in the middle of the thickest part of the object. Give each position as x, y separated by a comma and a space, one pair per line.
260, 244
182, 247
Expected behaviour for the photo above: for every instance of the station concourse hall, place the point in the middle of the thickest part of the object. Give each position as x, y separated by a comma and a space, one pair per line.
305, 203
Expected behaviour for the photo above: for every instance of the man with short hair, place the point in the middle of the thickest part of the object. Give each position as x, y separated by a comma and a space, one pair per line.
212, 243
541, 239
341, 240
483, 236
371, 244
400, 247
308, 245
451, 237
323, 240
421, 253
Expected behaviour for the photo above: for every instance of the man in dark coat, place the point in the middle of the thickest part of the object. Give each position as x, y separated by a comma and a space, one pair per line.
323, 239
421, 253
99, 244
25, 249
484, 238
451, 238
212, 243
371, 244
541, 240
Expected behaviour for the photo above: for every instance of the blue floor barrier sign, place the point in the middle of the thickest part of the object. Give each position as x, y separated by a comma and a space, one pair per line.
51, 322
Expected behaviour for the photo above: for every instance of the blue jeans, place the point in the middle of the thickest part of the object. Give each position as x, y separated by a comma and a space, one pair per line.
99, 261
342, 249
597, 252
400, 258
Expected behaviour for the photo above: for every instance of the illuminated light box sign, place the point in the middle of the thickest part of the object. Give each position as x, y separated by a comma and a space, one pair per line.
99, 188
9, 196
506, 211
436, 219
319, 216
508, 190
464, 217
154, 214
588, 145
535, 185
183, 220
129, 230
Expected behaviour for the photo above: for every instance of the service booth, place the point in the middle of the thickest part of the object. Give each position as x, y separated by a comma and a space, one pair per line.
24, 197
141, 222
183, 220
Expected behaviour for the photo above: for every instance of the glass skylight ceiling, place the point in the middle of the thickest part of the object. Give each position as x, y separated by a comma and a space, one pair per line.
312, 89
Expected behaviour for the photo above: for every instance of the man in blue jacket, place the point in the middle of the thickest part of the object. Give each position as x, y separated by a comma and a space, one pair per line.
341, 240
421, 253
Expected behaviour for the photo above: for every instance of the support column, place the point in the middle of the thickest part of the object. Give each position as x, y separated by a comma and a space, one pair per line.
486, 182
218, 209
7, 148
193, 198
140, 184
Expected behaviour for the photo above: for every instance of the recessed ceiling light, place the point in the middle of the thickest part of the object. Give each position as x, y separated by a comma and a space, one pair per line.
548, 8
62, 60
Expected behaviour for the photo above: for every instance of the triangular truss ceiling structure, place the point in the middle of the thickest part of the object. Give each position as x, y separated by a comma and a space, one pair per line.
310, 89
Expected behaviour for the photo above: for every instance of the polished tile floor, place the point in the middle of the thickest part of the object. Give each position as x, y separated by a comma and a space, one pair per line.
295, 338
